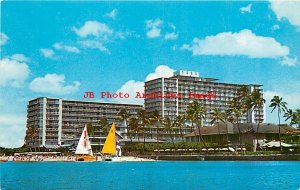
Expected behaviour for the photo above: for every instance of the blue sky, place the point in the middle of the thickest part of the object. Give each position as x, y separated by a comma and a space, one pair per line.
62, 49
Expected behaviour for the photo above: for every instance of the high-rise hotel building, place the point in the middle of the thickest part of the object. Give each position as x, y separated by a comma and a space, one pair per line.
171, 96
57, 120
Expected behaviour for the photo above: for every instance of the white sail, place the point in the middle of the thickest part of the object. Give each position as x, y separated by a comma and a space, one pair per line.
84, 144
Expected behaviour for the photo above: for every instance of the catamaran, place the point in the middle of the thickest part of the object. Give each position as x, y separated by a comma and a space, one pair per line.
84, 149
111, 150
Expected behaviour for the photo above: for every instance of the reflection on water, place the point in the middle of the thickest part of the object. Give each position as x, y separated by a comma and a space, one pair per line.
151, 175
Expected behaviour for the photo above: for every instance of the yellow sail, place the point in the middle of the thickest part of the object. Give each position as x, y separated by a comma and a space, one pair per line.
110, 142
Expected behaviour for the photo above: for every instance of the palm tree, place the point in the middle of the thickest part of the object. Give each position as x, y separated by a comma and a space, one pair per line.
180, 122
155, 119
197, 114
143, 121
246, 103
217, 116
235, 110
242, 91
90, 129
169, 126
296, 119
104, 125
228, 117
277, 103
190, 116
133, 127
289, 114
258, 102
124, 116
293, 116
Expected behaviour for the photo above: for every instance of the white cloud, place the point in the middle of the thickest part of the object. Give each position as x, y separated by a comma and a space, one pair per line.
20, 57
160, 71
246, 9
243, 43
171, 25
288, 61
54, 84
153, 28
13, 72
174, 47
113, 14
48, 53
93, 44
289, 10
12, 129
96, 35
124, 34
132, 86
93, 28
171, 36
3, 39
71, 49
276, 27
292, 98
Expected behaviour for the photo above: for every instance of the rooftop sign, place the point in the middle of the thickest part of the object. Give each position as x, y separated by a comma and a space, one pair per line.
186, 73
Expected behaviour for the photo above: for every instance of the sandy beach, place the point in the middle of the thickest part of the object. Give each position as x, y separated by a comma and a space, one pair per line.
66, 159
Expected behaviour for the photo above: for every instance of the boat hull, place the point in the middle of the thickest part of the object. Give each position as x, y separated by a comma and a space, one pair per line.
86, 158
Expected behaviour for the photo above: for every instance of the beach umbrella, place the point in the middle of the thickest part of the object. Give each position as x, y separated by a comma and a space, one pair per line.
276, 144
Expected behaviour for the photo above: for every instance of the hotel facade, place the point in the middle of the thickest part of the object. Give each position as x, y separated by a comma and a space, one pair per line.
58, 121
176, 92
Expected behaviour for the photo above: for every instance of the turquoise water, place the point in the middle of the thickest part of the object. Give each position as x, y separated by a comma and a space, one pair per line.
151, 175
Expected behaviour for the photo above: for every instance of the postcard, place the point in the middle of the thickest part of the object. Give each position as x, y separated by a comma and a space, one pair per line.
150, 94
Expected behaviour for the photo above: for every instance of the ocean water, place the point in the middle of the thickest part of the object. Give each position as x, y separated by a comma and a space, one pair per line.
151, 175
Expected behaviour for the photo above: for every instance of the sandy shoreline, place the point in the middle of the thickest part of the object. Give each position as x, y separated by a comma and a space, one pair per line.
272, 157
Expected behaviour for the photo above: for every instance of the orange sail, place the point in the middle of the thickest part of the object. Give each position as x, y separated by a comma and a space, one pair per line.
110, 142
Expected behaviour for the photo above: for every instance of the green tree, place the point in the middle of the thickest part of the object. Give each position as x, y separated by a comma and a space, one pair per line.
280, 105
123, 114
258, 102
296, 119
293, 116
244, 97
235, 110
144, 121
180, 123
104, 125
248, 102
197, 114
217, 115
134, 127
155, 120
169, 126
190, 116
90, 129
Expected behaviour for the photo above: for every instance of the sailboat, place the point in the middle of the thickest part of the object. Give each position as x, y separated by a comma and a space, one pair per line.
110, 149
84, 149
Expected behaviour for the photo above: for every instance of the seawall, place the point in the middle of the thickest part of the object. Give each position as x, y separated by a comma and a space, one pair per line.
202, 157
